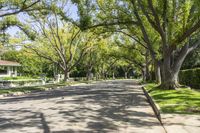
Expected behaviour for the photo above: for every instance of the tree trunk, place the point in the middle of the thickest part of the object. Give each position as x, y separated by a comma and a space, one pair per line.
143, 75
170, 80
113, 75
147, 76
105, 76
170, 69
97, 76
126, 75
158, 72
66, 75
147, 73
89, 74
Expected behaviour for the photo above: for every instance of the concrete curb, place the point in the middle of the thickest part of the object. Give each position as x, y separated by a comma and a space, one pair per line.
154, 106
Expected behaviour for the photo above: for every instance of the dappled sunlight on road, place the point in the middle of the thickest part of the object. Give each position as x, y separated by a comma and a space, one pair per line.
111, 106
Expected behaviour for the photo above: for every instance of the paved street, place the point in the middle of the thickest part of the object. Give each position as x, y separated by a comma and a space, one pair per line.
104, 107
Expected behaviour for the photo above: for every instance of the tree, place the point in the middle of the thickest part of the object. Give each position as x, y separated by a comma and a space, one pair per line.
174, 44
132, 56
98, 61
61, 43
176, 33
31, 64
10, 11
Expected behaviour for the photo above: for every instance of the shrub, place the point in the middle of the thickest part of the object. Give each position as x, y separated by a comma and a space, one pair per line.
190, 77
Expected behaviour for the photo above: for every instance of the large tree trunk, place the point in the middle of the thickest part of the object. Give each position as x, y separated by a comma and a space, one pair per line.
171, 67
170, 80
169, 77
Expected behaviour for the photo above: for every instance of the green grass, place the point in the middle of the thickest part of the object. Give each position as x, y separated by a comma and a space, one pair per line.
37, 88
18, 78
183, 100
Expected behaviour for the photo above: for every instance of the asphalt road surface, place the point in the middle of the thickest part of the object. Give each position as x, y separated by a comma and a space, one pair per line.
104, 107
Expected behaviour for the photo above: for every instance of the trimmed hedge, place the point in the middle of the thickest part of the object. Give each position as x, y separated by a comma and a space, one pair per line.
190, 77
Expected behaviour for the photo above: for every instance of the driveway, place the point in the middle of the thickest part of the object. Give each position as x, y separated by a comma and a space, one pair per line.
104, 107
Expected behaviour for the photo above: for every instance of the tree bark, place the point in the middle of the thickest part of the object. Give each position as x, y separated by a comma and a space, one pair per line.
97, 75
143, 74
158, 71
126, 75
171, 68
113, 75
147, 73
89, 73
66, 75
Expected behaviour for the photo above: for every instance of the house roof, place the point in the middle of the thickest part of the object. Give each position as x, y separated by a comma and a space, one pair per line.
8, 63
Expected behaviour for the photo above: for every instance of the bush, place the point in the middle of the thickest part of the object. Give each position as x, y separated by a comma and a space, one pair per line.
190, 77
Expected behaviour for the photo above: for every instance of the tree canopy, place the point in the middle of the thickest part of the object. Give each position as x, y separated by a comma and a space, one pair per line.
150, 36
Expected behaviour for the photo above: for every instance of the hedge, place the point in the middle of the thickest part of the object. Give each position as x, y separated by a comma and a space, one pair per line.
190, 77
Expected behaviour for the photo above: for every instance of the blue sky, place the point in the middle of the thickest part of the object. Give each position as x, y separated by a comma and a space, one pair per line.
22, 17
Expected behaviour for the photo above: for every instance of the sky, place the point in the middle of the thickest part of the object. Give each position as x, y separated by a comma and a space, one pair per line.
23, 16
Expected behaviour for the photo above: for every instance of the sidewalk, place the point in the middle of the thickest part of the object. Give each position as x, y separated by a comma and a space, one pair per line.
181, 123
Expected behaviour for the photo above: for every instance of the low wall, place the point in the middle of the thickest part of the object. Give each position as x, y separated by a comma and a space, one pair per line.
18, 83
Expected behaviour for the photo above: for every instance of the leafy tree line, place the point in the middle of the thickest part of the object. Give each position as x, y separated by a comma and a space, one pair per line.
148, 35
168, 29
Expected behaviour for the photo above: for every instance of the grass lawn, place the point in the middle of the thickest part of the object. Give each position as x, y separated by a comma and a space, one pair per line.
184, 100
37, 88
18, 78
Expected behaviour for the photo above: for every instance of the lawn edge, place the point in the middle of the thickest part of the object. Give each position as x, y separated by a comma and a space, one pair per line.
20, 93
156, 108
154, 105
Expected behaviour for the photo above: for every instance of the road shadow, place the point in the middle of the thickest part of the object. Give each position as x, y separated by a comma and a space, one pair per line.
101, 107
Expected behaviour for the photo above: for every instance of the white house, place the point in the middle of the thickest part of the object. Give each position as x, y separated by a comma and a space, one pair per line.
8, 68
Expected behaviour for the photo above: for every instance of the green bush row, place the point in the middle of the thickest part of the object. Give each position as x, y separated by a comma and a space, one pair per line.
190, 77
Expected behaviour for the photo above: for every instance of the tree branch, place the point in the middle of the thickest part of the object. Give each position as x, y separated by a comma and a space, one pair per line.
23, 8
188, 32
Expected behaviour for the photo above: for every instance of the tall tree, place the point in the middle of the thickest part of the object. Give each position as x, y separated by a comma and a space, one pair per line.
176, 33
61, 43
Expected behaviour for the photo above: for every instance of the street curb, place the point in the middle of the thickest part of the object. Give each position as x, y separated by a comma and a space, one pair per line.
154, 106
